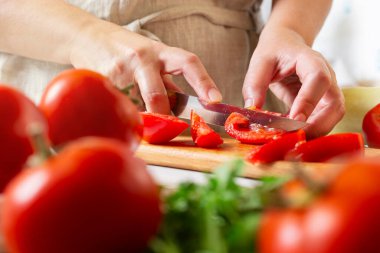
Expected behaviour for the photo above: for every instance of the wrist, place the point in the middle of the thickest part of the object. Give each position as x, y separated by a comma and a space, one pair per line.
304, 18
89, 33
282, 34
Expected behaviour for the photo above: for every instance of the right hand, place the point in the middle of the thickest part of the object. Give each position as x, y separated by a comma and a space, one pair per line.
127, 57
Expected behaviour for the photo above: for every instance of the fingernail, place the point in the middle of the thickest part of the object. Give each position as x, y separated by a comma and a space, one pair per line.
214, 95
300, 117
248, 102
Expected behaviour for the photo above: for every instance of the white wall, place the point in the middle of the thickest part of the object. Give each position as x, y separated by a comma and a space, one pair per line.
350, 39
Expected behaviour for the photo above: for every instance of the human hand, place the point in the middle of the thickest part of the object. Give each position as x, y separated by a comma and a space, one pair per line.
127, 57
297, 75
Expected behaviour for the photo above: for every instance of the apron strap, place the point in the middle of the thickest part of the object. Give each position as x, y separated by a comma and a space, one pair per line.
244, 20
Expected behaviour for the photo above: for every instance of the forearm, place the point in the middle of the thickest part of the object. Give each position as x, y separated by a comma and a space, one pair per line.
41, 29
304, 17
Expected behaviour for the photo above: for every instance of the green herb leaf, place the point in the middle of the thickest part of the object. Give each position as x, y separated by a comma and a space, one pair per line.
218, 217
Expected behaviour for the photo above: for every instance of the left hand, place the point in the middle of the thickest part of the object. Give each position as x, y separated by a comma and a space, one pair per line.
297, 75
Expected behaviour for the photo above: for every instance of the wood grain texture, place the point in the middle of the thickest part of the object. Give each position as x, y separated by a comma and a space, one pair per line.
181, 153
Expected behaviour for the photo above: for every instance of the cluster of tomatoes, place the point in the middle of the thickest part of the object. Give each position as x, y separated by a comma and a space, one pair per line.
341, 217
93, 194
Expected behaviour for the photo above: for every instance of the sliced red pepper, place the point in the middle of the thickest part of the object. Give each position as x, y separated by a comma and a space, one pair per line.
203, 135
327, 147
160, 128
255, 108
276, 149
239, 127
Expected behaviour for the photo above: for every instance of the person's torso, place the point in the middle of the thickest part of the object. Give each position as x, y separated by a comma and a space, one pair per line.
222, 33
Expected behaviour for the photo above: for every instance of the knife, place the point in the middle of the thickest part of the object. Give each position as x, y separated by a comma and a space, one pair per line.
217, 113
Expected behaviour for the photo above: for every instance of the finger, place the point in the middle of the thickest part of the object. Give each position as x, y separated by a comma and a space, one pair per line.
178, 61
152, 89
316, 79
257, 79
286, 90
328, 112
325, 117
120, 76
170, 84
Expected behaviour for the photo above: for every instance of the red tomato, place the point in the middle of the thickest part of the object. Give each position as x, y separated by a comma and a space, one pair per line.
371, 127
80, 103
276, 149
17, 115
203, 135
94, 196
159, 128
345, 219
239, 127
327, 147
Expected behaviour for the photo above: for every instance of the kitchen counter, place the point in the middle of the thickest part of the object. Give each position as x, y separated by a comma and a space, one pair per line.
172, 177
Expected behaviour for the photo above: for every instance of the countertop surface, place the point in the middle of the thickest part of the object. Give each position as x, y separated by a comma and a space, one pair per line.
171, 177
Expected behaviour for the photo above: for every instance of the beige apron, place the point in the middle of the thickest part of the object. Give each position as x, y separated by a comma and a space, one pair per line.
222, 33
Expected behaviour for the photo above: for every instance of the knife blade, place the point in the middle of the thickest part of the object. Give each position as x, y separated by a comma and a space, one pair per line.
217, 113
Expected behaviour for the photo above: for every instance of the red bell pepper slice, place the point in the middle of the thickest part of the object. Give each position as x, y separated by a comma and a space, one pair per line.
276, 149
160, 128
239, 127
203, 135
255, 108
327, 147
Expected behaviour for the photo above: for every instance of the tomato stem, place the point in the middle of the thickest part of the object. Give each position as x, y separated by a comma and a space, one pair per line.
302, 190
314, 186
127, 91
41, 146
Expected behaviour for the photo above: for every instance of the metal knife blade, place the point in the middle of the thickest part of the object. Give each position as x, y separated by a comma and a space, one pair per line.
217, 113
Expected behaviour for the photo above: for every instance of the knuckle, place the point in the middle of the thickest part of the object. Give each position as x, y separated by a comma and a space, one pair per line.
139, 53
321, 77
341, 110
143, 54
202, 79
191, 59
317, 54
310, 53
154, 97
119, 66
118, 72
307, 105
262, 58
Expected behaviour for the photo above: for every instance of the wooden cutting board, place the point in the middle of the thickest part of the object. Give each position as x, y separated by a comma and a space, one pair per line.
182, 153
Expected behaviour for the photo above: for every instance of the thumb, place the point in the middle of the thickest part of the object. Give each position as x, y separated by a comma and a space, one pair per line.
257, 80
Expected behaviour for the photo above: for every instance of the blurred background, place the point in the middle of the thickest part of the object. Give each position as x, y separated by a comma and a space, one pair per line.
350, 41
